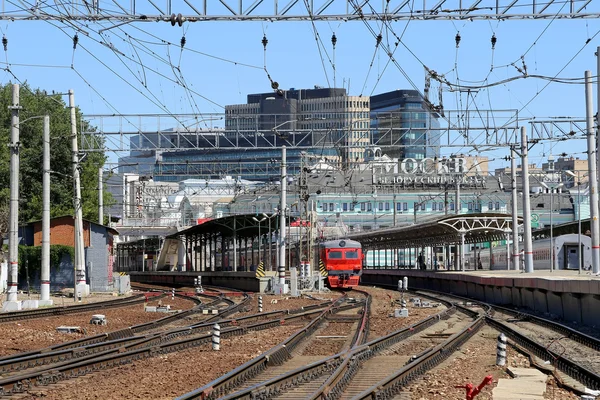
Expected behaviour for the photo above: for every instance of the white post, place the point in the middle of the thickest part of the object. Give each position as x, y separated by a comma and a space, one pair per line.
527, 242
592, 170
216, 338
501, 350
508, 258
81, 288
282, 211
45, 278
13, 245
173, 294
462, 251
260, 304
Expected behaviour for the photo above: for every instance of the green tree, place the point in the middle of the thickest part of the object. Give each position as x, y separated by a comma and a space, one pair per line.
38, 103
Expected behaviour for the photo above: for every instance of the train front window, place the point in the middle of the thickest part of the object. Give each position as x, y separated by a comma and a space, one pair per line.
335, 255
351, 254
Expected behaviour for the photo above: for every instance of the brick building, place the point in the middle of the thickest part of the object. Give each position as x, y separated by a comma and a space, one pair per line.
98, 247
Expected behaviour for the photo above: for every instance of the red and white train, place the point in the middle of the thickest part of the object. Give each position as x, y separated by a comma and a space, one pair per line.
343, 260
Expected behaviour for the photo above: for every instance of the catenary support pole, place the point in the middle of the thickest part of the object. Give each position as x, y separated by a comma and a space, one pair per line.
13, 249
80, 286
592, 171
457, 210
100, 199
595, 119
45, 278
515, 210
527, 243
282, 215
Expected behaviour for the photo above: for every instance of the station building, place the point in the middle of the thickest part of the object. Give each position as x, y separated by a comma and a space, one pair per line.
98, 245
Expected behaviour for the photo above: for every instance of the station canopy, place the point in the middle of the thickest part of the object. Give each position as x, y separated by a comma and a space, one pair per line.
476, 228
244, 225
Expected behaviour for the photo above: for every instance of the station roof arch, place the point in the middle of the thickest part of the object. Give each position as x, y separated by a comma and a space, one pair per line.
477, 228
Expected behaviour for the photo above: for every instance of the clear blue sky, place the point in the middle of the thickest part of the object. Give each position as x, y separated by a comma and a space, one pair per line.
223, 61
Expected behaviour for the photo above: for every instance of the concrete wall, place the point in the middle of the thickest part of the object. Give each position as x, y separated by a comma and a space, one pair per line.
246, 281
572, 300
96, 257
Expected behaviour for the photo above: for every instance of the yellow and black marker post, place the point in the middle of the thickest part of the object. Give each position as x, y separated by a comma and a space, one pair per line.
260, 271
322, 269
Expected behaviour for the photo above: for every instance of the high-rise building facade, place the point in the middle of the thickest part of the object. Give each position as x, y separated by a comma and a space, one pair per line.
404, 126
328, 122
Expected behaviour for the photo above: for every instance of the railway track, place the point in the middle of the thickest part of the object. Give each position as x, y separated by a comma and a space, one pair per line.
289, 356
52, 365
77, 308
379, 363
571, 356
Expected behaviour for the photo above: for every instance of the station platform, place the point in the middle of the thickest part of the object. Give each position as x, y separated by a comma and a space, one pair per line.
563, 294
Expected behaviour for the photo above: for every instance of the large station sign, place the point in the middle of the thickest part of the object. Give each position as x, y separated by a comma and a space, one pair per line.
437, 172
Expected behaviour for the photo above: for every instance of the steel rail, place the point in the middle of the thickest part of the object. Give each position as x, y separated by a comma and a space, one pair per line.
575, 335
579, 373
276, 356
87, 345
335, 385
392, 385
333, 365
147, 347
78, 308
563, 364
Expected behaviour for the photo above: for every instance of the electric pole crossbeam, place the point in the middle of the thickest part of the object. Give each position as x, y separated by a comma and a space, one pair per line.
325, 10
481, 128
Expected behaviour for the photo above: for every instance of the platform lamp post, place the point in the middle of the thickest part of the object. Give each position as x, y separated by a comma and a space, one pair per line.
579, 253
551, 188
259, 237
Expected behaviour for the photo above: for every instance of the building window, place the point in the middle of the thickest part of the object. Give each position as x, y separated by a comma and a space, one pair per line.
387, 206
363, 206
441, 206
497, 205
380, 206
470, 206
451, 206
404, 206
344, 206
399, 206
490, 205
416, 206
331, 207
369, 207
434, 206
324, 207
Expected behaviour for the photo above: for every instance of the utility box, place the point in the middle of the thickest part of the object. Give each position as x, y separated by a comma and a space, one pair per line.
69, 329
98, 319
122, 283
401, 313
293, 282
